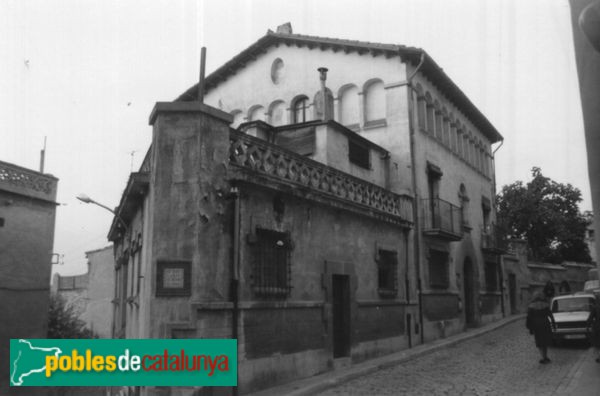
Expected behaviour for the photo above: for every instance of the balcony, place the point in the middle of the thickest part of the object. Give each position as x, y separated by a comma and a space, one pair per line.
261, 163
442, 220
30, 183
493, 240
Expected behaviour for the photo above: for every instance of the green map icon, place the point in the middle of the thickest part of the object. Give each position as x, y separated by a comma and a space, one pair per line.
28, 360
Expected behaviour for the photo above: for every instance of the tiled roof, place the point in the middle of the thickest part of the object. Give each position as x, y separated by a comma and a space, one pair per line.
408, 54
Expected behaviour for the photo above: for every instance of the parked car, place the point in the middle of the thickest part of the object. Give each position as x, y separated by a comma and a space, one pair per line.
592, 286
571, 314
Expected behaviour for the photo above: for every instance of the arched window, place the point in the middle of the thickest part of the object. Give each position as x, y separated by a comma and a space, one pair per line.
374, 97
421, 108
464, 204
438, 121
459, 139
349, 106
430, 114
300, 109
445, 127
452, 125
466, 147
238, 118
256, 113
277, 113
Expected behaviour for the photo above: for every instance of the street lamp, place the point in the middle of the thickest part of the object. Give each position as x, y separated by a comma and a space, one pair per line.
86, 199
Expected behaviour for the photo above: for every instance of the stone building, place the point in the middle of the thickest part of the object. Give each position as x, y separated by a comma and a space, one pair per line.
27, 216
91, 293
319, 217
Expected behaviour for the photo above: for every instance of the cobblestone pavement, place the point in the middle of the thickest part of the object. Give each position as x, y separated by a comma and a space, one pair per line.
501, 362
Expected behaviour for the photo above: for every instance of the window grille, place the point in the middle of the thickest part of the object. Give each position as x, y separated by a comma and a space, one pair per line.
387, 269
491, 276
359, 154
438, 269
271, 275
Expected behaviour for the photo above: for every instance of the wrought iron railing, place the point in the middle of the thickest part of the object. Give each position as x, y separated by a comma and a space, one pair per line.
492, 238
25, 180
264, 158
440, 215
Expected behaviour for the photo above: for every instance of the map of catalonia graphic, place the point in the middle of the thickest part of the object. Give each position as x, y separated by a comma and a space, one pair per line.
29, 360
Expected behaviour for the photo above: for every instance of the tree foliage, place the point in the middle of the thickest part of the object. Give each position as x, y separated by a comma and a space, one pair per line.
546, 214
63, 321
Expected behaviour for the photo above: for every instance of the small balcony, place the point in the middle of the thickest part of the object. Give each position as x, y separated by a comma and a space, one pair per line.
493, 241
442, 220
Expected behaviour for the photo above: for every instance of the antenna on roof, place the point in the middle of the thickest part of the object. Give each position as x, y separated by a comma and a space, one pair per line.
43, 156
201, 82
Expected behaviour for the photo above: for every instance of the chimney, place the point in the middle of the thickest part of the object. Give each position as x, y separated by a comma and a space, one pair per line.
325, 101
286, 28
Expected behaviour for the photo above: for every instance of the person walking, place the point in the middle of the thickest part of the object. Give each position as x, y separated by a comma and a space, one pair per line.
539, 321
594, 325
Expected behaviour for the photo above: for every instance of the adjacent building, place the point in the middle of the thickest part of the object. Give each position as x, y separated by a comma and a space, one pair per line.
329, 201
91, 294
27, 216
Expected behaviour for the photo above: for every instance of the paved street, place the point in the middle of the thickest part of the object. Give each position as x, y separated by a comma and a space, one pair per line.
501, 362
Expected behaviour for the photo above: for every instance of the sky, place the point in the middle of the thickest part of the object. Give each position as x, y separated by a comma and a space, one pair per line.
86, 74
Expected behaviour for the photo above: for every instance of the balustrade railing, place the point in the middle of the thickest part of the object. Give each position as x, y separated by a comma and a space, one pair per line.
27, 181
264, 158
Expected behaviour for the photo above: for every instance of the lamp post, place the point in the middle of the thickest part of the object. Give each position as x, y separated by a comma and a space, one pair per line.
86, 199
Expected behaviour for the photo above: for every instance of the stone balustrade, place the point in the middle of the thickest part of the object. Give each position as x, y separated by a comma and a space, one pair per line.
279, 164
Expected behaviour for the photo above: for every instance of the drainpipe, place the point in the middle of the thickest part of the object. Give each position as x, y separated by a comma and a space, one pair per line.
500, 261
417, 229
235, 267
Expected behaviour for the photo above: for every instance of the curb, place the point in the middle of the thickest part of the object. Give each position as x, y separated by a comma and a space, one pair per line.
330, 379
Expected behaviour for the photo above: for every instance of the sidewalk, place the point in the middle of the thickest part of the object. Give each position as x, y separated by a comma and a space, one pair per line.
580, 378
583, 379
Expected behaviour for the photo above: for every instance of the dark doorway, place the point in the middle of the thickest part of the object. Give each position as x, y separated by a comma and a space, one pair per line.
341, 315
469, 283
512, 292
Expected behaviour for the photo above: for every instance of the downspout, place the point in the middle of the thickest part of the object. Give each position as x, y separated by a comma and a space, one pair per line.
235, 267
417, 229
500, 261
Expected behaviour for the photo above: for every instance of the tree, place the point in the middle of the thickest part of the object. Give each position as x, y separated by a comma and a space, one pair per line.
63, 321
546, 214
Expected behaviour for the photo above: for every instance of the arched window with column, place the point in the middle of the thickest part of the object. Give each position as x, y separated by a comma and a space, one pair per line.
464, 204
438, 120
421, 108
452, 127
300, 109
445, 127
277, 113
430, 114
349, 111
374, 102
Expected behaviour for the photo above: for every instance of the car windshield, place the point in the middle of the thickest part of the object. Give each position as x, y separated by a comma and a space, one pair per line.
573, 304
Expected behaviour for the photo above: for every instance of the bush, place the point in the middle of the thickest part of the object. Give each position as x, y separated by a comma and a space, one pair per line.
63, 321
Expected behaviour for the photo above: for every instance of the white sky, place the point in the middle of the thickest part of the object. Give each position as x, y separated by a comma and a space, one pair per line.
86, 74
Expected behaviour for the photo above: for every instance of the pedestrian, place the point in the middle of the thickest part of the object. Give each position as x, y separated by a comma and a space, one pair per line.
539, 320
594, 325
549, 290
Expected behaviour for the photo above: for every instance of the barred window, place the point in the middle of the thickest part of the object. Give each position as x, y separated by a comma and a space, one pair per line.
439, 276
491, 276
358, 154
387, 273
271, 272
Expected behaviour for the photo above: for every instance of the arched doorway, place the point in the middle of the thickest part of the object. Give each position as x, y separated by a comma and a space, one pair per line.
469, 291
